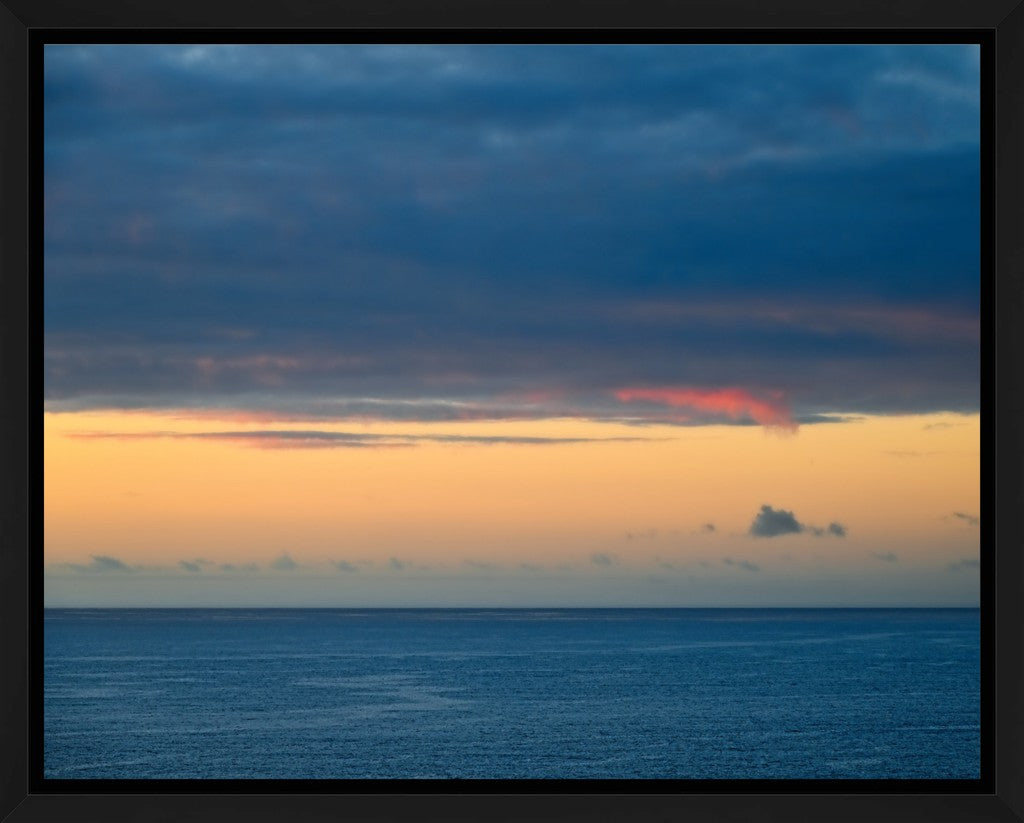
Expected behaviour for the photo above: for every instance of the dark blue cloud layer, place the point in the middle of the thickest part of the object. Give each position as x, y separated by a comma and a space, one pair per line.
259, 223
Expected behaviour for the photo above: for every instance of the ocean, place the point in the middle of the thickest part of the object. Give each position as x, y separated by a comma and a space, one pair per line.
511, 694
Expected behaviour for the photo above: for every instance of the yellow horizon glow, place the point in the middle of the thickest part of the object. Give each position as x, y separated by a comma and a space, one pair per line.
893, 481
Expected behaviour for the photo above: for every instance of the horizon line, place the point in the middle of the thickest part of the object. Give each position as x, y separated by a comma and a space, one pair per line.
514, 608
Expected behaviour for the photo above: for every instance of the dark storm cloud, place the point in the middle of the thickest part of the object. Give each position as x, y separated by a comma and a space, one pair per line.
266, 227
771, 522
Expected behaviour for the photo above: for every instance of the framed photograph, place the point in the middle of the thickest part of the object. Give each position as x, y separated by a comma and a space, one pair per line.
567, 414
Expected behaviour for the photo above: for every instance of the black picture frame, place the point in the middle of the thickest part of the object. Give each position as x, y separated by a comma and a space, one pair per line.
1003, 476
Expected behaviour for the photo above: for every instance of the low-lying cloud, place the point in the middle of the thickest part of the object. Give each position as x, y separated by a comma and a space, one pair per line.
284, 563
102, 563
746, 565
833, 529
239, 567
771, 522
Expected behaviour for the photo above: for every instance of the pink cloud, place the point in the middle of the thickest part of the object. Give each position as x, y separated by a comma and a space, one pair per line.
736, 403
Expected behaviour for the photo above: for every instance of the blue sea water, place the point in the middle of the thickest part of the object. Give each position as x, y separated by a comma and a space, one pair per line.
460, 693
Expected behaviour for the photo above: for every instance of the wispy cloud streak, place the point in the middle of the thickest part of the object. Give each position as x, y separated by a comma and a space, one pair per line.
969, 519
295, 439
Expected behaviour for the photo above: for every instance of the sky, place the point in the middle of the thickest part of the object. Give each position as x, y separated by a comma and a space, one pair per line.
497, 325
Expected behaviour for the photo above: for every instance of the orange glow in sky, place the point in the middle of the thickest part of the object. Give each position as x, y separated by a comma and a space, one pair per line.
151, 491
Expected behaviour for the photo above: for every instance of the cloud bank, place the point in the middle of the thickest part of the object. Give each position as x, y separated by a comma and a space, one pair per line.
343, 232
